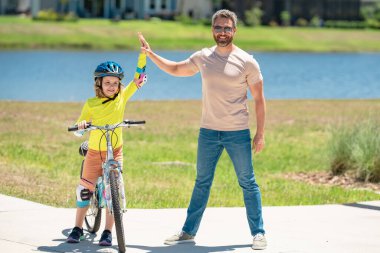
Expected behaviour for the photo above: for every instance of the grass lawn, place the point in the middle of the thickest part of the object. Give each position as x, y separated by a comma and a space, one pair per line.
39, 159
100, 34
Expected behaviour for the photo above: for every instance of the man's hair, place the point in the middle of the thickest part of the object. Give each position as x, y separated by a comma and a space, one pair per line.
225, 14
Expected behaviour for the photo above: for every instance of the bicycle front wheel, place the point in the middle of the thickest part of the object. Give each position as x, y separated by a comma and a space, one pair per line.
94, 213
118, 215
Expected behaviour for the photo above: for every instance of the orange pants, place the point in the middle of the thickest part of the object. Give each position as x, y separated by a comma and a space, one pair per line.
92, 167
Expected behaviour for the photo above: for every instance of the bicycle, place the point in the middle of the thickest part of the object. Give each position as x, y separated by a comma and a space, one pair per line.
109, 191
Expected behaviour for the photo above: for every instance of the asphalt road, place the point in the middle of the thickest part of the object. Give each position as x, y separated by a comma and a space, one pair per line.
29, 227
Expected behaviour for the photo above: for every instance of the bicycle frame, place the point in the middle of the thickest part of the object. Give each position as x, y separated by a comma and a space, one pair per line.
112, 183
110, 165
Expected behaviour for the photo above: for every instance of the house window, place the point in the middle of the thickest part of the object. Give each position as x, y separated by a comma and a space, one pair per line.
164, 4
152, 4
118, 4
87, 4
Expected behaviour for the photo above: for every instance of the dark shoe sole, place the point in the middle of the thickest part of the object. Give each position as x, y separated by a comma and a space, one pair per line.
105, 244
71, 240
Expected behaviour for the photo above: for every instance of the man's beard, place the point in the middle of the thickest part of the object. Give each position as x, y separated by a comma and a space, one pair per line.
225, 42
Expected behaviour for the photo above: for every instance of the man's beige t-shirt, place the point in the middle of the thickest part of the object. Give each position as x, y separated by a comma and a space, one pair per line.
225, 80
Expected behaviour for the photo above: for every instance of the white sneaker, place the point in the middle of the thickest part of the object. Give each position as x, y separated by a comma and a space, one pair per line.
181, 237
259, 241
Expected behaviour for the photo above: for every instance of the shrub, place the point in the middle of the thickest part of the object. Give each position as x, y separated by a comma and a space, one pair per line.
51, 15
273, 23
155, 20
357, 149
71, 17
315, 21
253, 17
301, 22
371, 12
285, 18
205, 21
47, 15
184, 19
372, 23
345, 24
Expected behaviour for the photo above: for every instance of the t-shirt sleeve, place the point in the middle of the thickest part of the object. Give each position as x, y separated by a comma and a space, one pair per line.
194, 60
253, 71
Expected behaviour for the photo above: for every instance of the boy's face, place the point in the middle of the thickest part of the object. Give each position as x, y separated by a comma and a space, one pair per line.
110, 85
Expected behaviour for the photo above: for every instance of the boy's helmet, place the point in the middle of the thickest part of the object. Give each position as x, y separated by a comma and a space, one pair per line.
109, 68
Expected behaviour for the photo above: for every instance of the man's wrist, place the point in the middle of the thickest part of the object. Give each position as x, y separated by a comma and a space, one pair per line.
148, 52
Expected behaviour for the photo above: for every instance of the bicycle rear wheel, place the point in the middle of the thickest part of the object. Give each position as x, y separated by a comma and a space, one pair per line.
94, 214
118, 215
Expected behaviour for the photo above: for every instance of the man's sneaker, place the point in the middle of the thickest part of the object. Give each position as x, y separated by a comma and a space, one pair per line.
106, 238
76, 235
259, 241
181, 237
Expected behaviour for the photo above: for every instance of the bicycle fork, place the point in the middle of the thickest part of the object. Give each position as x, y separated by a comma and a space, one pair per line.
113, 166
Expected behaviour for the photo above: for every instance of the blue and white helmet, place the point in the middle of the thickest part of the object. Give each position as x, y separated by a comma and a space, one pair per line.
109, 68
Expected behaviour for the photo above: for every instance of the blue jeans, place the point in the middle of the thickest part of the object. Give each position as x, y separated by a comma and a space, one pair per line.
211, 144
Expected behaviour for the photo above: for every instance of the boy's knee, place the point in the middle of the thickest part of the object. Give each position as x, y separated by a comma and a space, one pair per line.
83, 196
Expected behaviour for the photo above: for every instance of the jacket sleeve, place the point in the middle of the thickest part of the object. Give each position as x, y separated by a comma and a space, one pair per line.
85, 114
132, 87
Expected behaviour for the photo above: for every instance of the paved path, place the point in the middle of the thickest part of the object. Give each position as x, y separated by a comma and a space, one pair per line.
29, 227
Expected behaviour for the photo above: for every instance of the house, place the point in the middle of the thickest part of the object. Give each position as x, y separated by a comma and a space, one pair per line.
14, 6
168, 9
324, 9
113, 9
196, 9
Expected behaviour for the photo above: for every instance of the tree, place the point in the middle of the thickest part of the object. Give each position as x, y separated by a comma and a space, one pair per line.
253, 16
285, 18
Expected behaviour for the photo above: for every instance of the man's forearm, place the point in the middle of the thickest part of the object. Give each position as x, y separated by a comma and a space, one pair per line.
260, 107
166, 65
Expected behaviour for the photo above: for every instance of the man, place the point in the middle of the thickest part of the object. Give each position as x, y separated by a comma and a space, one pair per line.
227, 73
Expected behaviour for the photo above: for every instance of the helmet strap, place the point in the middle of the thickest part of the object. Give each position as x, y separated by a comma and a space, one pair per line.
111, 99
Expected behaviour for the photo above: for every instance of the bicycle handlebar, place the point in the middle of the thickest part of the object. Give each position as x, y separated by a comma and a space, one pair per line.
124, 123
75, 128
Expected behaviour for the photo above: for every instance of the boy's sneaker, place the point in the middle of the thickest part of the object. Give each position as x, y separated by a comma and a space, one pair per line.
76, 235
106, 238
181, 237
259, 241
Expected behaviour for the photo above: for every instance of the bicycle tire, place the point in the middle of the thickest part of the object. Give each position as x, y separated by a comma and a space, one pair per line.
93, 216
117, 214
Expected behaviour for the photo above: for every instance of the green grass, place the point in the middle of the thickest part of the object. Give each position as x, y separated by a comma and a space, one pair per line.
39, 159
356, 149
99, 34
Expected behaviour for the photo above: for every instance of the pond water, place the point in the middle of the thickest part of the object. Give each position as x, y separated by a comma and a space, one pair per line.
67, 75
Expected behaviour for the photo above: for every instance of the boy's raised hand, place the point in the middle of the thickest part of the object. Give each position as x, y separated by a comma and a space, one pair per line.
145, 48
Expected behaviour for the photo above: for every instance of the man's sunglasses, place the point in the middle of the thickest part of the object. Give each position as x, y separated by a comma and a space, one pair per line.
220, 29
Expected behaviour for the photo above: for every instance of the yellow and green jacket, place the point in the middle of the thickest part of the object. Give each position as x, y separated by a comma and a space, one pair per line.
112, 112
